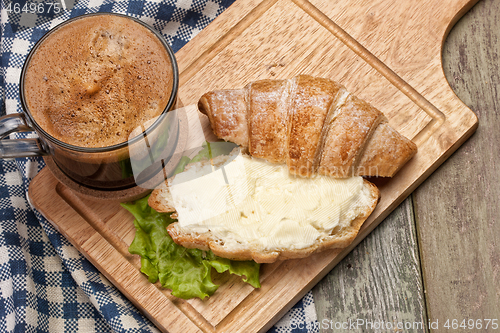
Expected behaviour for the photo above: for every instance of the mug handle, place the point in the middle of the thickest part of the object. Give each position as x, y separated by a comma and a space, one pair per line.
14, 123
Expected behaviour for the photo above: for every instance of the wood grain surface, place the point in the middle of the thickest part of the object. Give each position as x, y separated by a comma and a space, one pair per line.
388, 52
447, 235
380, 280
458, 208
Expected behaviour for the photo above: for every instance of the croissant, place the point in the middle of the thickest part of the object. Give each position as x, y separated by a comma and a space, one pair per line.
312, 124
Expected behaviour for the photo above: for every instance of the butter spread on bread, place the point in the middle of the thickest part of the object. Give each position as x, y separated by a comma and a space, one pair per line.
247, 208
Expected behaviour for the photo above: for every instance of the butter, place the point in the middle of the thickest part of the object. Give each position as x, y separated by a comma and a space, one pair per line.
251, 202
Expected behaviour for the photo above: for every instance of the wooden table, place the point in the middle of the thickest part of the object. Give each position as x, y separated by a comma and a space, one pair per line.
437, 256
435, 259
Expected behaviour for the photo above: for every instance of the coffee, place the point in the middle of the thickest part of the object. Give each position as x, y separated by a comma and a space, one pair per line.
96, 79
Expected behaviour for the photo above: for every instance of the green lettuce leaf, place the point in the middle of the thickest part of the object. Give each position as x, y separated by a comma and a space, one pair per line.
187, 272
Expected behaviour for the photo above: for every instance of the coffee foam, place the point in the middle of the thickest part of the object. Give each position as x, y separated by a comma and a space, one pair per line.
93, 81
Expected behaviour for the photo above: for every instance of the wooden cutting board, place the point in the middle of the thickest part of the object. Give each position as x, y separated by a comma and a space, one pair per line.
388, 52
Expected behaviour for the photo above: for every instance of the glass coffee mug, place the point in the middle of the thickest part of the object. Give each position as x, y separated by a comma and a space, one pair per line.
98, 168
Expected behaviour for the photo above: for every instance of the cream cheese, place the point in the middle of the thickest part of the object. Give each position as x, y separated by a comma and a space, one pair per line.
251, 202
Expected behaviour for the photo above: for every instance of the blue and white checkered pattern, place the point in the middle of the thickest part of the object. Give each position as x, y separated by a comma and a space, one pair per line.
46, 285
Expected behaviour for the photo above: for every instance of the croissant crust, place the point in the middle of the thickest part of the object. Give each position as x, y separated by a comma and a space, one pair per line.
312, 124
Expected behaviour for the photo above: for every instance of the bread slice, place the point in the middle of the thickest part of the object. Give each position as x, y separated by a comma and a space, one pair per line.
268, 119
227, 112
340, 235
386, 152
311, 102
348, 134
313, 124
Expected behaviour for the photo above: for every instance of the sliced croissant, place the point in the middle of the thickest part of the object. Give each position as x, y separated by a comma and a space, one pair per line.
312, 124
282, 216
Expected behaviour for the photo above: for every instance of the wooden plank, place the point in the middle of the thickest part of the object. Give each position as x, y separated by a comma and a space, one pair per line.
278, 39
458, 206
378, 283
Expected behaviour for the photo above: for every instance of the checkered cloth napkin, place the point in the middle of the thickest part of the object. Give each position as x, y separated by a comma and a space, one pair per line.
46, 285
